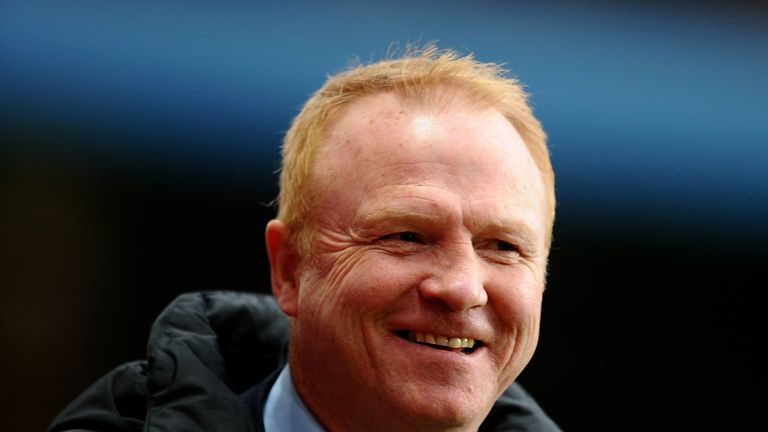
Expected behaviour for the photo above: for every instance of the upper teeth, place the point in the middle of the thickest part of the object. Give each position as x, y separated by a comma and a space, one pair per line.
451, 342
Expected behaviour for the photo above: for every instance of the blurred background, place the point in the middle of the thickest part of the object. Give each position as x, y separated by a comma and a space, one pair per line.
140, 142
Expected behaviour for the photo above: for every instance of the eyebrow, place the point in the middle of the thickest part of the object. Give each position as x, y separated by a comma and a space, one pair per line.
390, 213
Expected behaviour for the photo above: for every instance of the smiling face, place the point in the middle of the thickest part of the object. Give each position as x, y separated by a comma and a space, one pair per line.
422, 302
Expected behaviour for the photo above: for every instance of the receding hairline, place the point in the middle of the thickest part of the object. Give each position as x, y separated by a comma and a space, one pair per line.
437, 99
421, 75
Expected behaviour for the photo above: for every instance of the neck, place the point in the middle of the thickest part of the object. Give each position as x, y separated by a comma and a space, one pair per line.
340, 409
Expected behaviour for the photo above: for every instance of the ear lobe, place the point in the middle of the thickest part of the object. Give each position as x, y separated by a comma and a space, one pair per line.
283, 262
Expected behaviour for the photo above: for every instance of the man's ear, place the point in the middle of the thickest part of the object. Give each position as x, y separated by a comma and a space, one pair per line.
283, 262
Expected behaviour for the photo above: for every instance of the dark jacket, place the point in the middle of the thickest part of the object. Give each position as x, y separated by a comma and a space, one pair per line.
205, 350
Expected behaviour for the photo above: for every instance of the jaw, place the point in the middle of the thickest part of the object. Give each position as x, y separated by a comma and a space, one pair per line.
400, 385
449, 388
386, 380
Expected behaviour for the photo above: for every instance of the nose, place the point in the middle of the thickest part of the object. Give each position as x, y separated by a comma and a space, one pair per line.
457, 281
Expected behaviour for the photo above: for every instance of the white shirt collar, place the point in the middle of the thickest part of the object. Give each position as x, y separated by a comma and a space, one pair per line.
284, 411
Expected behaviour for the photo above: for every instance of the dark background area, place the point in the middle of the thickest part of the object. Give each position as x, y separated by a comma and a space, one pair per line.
140, 140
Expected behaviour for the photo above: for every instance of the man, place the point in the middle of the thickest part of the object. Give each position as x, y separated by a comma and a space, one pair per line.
409, 255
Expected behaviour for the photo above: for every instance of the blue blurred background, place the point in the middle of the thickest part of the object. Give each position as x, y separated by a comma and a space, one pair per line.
140, 141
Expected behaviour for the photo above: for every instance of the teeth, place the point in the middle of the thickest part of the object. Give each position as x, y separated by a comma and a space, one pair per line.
451, 342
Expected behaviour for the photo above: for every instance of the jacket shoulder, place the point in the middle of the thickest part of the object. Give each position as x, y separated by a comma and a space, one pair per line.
517, 410
204, 349
116, 402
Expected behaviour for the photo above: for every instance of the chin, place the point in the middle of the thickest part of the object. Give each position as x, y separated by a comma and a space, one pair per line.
446, 412
452, 420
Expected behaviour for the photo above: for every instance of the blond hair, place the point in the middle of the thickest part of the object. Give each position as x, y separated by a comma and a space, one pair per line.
418, 74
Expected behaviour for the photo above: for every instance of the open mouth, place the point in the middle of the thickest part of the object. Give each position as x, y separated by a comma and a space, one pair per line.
457, 344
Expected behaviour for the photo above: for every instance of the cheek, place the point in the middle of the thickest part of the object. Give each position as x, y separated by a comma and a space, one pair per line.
517, 301
358, 283
379, 281
518, 308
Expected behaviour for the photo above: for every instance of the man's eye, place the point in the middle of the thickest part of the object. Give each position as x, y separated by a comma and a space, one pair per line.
406, 236
500, 251
505, 246
500, 246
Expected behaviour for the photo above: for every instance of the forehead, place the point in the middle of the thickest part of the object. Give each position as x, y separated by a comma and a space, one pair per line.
381, 142
375, 125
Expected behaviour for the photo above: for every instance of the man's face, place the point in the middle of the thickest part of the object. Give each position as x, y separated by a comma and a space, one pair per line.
430, 234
